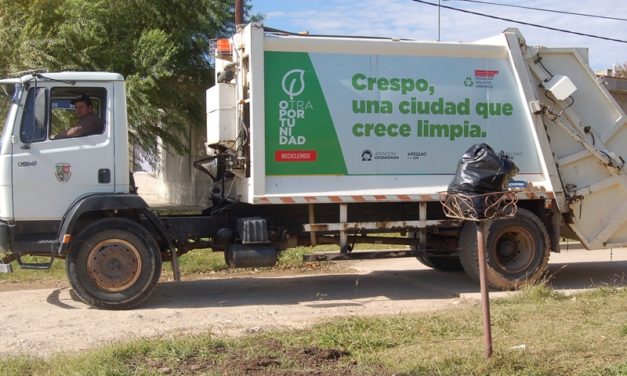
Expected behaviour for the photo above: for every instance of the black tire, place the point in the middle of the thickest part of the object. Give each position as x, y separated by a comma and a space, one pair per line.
517, 251
114, 263
442, 263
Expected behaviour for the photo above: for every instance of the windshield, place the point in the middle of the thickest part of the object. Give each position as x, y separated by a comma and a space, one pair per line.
9, 94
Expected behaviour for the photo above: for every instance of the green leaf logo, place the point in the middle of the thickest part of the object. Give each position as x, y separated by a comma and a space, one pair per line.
293, 82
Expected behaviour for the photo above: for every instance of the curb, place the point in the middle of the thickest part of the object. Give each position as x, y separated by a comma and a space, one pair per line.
507, 294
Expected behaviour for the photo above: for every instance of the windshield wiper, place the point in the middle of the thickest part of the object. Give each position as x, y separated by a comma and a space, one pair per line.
42, 77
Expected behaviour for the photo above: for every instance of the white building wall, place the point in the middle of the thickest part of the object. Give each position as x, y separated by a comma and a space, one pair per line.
176, 183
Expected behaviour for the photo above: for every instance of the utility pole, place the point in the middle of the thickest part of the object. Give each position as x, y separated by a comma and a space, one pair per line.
438, 20
239, 12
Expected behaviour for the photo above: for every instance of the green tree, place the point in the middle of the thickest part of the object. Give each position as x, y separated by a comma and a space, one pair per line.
160, 46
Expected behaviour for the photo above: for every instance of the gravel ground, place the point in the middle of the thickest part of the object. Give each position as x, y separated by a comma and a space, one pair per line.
44, 319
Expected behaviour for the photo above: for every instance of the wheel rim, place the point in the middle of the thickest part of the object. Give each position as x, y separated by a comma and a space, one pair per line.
514, 250
114, 265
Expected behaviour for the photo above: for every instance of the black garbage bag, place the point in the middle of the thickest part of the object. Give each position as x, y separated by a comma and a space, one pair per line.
481, 170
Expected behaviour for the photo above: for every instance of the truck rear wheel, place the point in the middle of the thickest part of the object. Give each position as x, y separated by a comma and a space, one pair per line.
517, 250
115, 263
442, 263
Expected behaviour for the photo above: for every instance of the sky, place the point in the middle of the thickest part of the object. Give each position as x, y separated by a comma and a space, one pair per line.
413, 20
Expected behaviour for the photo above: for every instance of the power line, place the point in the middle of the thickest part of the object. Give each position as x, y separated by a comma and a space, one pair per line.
522, 22
545, 10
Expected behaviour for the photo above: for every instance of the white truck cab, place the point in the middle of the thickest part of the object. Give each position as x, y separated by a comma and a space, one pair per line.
72, 197
33, 163
42, 176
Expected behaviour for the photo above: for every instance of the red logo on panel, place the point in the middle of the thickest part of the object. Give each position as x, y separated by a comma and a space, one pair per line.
295, 155
486, 73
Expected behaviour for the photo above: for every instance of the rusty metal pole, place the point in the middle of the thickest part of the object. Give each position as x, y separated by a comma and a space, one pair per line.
239, 12
498, 205
482, 227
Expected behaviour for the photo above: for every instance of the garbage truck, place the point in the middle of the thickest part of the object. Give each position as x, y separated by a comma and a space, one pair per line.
322, 139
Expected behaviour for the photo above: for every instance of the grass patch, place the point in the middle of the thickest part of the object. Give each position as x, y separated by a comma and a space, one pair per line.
56, 272
536, 332
538, 293
200, 261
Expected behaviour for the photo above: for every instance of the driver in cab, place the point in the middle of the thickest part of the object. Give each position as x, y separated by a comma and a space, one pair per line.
88, 122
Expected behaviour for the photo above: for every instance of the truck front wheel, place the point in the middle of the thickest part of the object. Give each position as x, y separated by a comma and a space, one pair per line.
114, 263
517, 250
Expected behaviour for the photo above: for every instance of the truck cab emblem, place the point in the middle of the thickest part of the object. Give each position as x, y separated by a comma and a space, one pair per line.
63, 172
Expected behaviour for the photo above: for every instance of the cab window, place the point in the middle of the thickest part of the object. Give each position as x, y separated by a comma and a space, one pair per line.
34, 119
63, 117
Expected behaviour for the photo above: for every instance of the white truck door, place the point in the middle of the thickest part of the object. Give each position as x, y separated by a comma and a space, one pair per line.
49, 174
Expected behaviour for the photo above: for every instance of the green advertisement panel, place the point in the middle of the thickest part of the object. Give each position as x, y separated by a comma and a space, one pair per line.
362, 114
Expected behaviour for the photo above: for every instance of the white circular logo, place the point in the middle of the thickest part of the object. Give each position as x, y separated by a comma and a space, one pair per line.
293, 82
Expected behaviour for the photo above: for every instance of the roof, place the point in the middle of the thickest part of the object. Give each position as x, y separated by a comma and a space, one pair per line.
78, 76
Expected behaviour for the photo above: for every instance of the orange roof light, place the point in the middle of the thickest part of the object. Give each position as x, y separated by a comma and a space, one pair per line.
223, 47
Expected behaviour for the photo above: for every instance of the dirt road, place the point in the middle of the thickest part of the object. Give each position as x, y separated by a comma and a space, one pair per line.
50, 320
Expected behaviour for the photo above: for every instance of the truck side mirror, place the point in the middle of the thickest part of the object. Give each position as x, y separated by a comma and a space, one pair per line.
34, 117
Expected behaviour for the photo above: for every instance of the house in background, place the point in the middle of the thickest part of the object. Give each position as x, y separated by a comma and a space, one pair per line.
617, 86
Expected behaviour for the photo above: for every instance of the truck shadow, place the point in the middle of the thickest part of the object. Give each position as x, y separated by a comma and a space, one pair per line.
312, 290
336, 290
